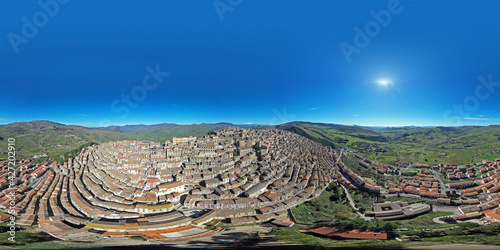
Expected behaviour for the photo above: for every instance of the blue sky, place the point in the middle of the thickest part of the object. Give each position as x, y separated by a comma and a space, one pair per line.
261, 62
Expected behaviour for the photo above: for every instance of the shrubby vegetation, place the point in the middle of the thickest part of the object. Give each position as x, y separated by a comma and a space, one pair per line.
448, 219
340, 220
332, 201
73, 153
466, 228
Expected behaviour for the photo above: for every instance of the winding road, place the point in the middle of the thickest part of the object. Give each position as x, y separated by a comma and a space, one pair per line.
353, 205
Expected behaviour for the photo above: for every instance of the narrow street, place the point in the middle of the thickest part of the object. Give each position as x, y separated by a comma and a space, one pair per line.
441, 183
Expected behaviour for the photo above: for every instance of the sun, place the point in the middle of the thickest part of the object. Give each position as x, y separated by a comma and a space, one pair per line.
384, 82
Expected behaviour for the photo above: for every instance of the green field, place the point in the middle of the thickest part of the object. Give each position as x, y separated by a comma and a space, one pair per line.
456, 145
334, 135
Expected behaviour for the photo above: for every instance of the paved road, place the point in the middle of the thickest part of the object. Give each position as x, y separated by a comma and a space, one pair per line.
353, 205
440, 207
478, 221
443, 187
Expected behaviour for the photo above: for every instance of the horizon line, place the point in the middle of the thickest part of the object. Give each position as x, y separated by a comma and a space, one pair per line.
249, 124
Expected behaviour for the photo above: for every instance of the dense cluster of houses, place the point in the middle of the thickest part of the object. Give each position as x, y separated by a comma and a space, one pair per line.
458, 172
424, 184
24, 171
479, 197
490, 183
348, 178
296, 170
380, 167
427, 185
243, 175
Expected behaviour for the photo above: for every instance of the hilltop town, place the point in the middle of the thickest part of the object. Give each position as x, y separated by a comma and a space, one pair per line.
182, 189
242, 175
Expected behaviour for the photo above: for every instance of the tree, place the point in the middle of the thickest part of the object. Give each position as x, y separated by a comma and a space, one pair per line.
334, 197
448, 219
362, 210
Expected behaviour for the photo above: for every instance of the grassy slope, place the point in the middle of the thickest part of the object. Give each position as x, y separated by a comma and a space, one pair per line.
166, 133
461, 145
323, 206
41, 137
465, 144
334, 135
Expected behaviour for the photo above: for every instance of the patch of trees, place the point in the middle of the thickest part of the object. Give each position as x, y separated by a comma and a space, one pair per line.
338, 192
452, 195
73, 153
448, 219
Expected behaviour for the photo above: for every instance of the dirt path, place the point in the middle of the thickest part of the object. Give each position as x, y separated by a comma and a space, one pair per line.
446, 156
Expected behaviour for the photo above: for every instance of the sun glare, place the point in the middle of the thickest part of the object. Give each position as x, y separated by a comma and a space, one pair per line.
384, 82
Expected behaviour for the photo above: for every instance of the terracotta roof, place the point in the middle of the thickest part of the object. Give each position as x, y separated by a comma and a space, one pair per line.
492, 214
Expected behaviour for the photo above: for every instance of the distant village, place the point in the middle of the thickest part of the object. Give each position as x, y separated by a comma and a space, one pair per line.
239, 176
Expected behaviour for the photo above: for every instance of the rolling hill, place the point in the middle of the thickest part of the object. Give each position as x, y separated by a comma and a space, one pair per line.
166, 133
333, 135
458, 145
53, 139
432, 145
139, 127
60, 141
